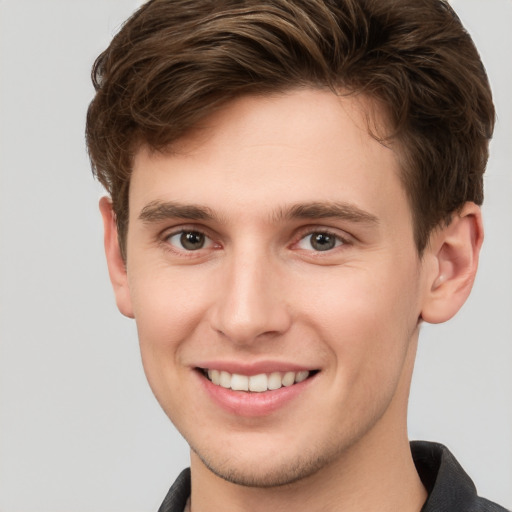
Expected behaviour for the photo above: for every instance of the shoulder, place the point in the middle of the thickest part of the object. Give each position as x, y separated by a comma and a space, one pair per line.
450, 488
178, 494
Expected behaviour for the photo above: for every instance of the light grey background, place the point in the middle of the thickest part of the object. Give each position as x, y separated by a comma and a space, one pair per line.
79, 428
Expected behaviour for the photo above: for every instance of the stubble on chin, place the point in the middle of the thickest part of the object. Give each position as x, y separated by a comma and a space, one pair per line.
274, 474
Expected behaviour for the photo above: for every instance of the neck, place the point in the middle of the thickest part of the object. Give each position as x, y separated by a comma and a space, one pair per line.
373, 484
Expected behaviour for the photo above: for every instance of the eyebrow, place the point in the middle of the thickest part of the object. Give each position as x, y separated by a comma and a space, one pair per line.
157, 211
321, 210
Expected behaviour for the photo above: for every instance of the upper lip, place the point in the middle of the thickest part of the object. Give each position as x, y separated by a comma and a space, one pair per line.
254, 368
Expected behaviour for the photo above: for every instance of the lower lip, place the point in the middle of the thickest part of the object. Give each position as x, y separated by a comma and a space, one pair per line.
247, 404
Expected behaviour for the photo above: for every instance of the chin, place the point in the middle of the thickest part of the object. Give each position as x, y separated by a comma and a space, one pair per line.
268, 473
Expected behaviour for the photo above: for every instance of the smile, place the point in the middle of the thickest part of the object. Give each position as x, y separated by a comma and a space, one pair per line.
255, 383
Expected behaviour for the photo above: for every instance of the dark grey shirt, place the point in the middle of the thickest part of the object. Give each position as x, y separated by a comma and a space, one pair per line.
449, 488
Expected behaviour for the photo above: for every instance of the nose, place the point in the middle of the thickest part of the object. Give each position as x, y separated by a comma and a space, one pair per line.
251, 303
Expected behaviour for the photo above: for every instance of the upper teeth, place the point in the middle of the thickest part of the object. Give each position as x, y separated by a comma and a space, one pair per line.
258, 383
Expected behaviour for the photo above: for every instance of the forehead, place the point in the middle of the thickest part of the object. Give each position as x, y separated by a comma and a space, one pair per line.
261, 152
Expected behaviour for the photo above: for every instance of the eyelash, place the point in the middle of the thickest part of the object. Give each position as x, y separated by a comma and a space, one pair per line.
301, 237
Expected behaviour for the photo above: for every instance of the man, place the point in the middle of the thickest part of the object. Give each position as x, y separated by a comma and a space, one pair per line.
294, 188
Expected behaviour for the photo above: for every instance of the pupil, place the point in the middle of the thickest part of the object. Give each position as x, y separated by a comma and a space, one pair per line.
192, 240
322, 241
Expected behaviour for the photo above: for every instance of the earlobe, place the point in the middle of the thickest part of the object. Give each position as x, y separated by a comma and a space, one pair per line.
115, 262
453, 257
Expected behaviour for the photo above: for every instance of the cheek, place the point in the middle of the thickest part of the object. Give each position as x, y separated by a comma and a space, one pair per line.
166, 301
367, 318
167, 312
368, 332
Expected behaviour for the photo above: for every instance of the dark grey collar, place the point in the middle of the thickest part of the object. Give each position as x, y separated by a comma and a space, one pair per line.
449, 487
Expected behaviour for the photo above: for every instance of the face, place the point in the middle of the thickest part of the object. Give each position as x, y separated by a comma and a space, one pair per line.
273, 276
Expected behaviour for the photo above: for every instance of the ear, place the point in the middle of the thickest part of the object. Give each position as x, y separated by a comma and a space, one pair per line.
452, 257
115, 262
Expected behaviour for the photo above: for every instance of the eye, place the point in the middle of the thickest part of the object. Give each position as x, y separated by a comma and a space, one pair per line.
320, 241
189, 240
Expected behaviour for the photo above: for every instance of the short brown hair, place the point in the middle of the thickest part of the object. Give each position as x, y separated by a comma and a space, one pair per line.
176, 61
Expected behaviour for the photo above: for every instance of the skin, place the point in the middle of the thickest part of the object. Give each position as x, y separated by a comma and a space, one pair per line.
258, 292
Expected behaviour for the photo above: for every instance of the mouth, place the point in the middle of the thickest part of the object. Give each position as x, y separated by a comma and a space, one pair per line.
259, 383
